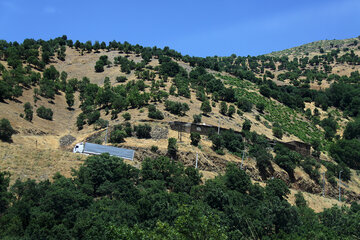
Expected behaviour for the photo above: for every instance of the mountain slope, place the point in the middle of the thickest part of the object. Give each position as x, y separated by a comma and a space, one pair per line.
44, 134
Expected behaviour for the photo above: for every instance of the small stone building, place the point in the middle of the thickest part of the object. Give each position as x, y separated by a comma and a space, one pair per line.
300, 147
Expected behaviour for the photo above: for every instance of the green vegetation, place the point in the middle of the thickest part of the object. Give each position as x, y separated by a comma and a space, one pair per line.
143, 130
118, 134
346, 150
154, 113
231, 110
288, 119
163, 200
246, 125
107, 199
28, 109
176, 108
46, 113
126, 116
197, 118
277, 131
195, 138
154, 148
205, 107
228, 139
223, 108
6, 130
172, 147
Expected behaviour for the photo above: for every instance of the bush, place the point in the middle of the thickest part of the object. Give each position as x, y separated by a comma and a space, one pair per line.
236, 179
176, 108
311, 167
6, 130
121, 79
244, 104
260, 107
28, 112
232, 141
101, 123
80, 121
277, 132
143, 131
333, 170
128, 129
217, 142
46, 113
197, 118
172, 147
223, 108
246, 125
205, 107
220, 151
346, 151
154, 148
154, 113
99, 66
126, 116
195, 138
92, 117
231, 110
300, 200
117, 136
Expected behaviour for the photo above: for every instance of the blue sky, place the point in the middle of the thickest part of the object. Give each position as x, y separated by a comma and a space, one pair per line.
198, 28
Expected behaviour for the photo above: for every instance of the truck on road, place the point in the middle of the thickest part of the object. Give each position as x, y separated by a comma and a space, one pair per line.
97, 149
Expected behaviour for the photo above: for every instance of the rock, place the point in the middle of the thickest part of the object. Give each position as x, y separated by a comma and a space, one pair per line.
159, 132
66, 140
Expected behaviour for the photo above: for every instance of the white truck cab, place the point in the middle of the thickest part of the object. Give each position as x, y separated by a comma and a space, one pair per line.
79, 148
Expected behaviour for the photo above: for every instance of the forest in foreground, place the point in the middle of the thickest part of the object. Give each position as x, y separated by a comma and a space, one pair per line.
109, 199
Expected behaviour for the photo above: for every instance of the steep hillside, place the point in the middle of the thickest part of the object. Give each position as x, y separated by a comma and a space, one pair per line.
272, 93
314, 47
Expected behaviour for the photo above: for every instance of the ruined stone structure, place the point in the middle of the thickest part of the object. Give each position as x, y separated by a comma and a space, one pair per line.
300, 147
201, 128
204, 129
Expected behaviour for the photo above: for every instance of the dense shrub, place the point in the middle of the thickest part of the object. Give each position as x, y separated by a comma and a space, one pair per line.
121, 79
6, 130
126, 116
277, 132
45, 113
223, 108
80, 121
244, 104
246, 125
205, 107
93, 116
99, 66
154, 148
260, 107
154, 113
143, 131
172, 148
346, 151
197, 118
118, 136
101, 123
195, 138
176, 108
231, 110
28, 109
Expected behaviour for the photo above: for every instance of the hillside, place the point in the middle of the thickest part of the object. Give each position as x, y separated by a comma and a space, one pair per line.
150, 79
314, 47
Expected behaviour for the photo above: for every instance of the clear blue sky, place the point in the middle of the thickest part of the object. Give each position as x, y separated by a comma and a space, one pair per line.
197, 28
